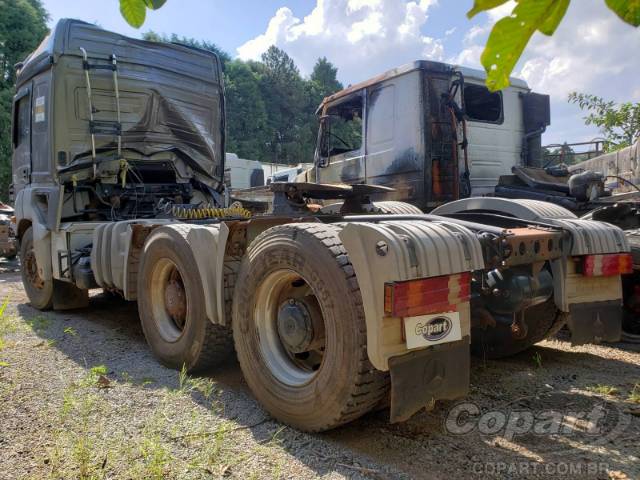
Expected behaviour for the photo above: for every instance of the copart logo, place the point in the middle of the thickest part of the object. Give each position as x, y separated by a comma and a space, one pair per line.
594, 423
434, 329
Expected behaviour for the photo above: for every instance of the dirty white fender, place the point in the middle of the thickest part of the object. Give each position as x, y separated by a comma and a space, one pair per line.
404, 250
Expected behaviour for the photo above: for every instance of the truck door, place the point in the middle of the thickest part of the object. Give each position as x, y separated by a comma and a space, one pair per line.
341, 147
21, 138
494, 133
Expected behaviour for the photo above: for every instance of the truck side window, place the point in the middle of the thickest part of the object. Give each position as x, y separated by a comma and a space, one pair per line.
345, 127
482, 105
22, 124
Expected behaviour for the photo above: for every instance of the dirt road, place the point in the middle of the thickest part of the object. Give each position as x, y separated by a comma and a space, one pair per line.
81, 396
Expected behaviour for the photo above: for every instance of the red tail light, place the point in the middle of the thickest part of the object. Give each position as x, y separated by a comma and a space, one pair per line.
426, 295
607, 265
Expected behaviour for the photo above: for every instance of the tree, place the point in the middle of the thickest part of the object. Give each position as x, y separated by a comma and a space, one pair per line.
283, 93
246, 112
619, 123
325, 76
511, 34
189, 42
23, 25
322, 83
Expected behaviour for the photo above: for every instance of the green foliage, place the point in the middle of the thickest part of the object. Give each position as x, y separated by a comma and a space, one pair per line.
603, 389
619, 123
135, 11
627, 10
283, 94
23, 25
270, 108
246, 111
189, 42
511, 34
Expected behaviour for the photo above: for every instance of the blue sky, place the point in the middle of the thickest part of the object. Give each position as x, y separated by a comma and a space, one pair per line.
592, 51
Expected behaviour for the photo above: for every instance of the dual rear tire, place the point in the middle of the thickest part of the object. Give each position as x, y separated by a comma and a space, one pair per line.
299, 329
171, 305
298, 322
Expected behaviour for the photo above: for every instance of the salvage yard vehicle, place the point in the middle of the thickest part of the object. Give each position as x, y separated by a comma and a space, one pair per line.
7, 236
436, 135
118, 170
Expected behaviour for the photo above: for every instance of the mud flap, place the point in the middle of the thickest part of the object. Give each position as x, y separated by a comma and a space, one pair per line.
419, 378
594, 322
67, 296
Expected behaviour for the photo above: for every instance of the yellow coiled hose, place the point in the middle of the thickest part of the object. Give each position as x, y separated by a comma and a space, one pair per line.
197, 213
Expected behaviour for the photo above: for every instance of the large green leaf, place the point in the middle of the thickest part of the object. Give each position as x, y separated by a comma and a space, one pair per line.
133, 11
555, 17
154, 4
482, 5
627, 10
511, 34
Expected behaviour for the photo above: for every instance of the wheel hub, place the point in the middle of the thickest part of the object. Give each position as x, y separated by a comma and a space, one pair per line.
175, 301
31, 268
295, 326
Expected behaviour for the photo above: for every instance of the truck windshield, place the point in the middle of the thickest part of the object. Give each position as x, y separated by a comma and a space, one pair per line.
345, 127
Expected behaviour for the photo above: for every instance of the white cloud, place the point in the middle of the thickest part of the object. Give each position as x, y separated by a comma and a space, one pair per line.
361, 37
592, 51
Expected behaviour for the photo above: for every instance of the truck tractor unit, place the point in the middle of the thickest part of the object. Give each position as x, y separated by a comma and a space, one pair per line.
437, 136
118, 172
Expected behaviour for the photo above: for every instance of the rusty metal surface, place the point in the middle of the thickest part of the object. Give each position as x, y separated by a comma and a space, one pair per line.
388, 75
530, 245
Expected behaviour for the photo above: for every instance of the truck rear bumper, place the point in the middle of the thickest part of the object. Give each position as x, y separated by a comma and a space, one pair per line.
595, 321
419, 378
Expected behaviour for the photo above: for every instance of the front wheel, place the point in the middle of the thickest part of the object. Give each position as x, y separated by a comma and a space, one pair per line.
39, 289
299, 329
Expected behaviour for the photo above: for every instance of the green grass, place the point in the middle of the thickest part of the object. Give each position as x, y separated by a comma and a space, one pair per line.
537, 360
603, 389
7, 322
39, 323
188, 384
70, 331
634, 396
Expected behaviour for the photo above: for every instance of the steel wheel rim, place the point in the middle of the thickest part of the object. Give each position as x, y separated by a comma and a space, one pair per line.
285, 366
31, 270
164, 276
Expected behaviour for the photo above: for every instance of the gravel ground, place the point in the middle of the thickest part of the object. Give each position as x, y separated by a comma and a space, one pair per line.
82, 397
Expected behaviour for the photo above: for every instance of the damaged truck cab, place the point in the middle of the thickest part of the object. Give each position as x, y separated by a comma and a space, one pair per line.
440, 139
118, 171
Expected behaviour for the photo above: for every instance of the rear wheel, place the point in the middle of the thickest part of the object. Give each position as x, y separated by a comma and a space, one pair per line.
299, 329
542, 321
172, 306
39, 289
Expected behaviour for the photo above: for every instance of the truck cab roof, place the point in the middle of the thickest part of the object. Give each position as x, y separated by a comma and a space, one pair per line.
171, 98
428, 65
